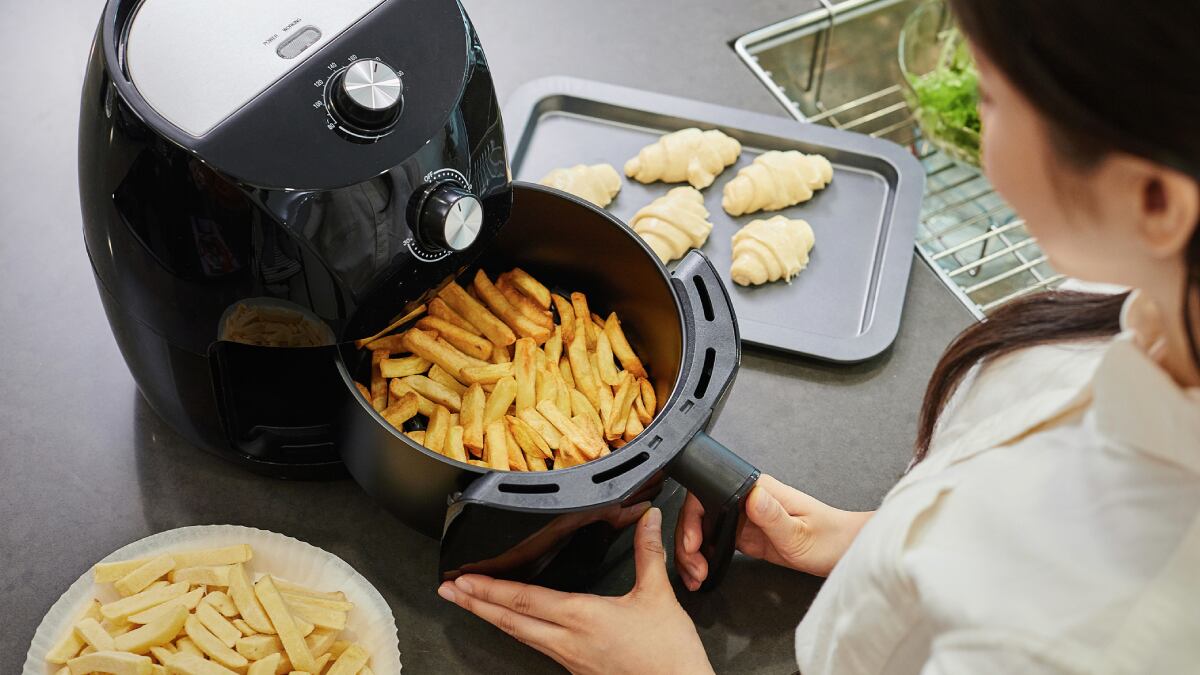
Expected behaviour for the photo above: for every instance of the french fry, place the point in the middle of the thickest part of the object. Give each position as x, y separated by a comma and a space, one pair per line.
492, 327
370, 342
580, 304
528, 438
591, 428
588, 447
500, 399
285, 586
500, 306
526, 376
154, 634
389, 344
454, 444
351, 661
285, 625
266, 665
222, 602
363, 391
107, 573
620, 347
501, 355
417, 436
216, 624
439, 375
212, 646
244, 627
208, 575
633, 426
257, 647
604, 359
140, 602
649, 400
530, 286
70, 644
398, 389
146, 574
566, 317
439, 308
434, 391
554, 345
562, 390
495, 447
614, 424
403, 367
639, 408
402, 409
378, 384
116, 663
317, 615
90, 631
606, 404
568, 455
466, 341
546, 431
528, 307
581, 369
433, 349
580, 405
479, 463
489, 374
191, 664
546, 388
473, 404
435, 434
516, 456
186, 646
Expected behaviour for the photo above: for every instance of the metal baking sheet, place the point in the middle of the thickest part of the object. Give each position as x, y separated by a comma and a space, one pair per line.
846, 305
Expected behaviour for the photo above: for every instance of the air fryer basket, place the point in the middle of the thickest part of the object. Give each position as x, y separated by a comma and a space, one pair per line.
681, 325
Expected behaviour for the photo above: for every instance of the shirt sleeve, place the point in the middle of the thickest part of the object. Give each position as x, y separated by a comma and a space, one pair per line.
999, 652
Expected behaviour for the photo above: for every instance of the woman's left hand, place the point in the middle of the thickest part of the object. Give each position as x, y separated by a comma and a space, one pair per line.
642, 631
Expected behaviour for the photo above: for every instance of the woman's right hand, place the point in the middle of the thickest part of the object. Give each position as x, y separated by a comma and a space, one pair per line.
781, 525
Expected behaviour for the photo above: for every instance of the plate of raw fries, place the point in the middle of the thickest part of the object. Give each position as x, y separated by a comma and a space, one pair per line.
510, 376
214, 600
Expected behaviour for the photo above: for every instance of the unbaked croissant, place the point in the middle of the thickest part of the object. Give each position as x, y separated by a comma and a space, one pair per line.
673, 223
770, 250
776, 180
688, 154
597, 183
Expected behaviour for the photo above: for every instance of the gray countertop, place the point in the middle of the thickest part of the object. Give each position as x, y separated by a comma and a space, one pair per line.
86, 466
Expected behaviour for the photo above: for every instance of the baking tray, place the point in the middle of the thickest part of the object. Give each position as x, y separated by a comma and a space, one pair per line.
846, 305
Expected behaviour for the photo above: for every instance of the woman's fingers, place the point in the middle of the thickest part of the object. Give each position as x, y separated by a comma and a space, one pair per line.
649, 555
787, 534
543, 636
688, 536
536, 601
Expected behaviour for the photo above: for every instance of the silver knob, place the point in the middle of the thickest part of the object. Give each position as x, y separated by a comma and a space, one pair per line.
450, 217
369, 94
463, 223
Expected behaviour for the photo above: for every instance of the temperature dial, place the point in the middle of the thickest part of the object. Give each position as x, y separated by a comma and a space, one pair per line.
368, 95
449, 217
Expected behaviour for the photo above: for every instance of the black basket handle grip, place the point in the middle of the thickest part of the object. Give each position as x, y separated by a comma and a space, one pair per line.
721, 481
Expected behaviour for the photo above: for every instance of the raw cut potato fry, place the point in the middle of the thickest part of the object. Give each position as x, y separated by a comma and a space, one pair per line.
212, 646
489, 374
542, 427
439, 375
163, 653
403, 367
580, 304
577, 437
526, 376
140, 602
91, 633
146, 574
530, 441
500, 306
495, 447
466, 341
71, 643
207, 575
432, 349
221, 602
285, 586
188, 601
614, 425
554, 345
107, 573
247, 603
244, 627
350, 662
523, 303
116, 663
439, 308
186, 646
500, 399
620, 347
434, 391
369, 342
649, 400
216, 624
516, 456
319, 616
258, 647
581, 370
191, 664
401, 409
604, 358
265, 666
435, 434
454, 444
473, 311
154, 634
285, 625
474, 402
398, 389
378, 384
530, 286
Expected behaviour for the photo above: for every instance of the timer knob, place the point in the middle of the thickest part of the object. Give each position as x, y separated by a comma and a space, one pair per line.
450, 217
368, 95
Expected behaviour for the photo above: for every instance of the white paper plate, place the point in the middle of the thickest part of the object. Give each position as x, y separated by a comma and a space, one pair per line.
370, 623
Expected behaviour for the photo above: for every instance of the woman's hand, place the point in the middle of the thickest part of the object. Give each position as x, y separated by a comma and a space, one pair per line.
643, 631
781, 525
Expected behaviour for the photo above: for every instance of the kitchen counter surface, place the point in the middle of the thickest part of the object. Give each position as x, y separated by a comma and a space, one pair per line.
86, 466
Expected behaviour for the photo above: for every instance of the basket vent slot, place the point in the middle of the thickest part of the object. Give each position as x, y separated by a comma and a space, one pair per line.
529, 488
710, 358
705, 299
623, 467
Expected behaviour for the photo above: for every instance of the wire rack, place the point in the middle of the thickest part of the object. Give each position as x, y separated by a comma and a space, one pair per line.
837, 66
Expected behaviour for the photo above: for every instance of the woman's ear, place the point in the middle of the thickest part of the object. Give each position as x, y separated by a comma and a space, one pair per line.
1168, 206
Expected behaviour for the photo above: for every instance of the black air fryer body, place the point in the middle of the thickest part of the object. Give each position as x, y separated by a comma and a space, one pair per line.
328, 161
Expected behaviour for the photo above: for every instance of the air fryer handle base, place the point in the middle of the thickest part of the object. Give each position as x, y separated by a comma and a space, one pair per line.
721, 481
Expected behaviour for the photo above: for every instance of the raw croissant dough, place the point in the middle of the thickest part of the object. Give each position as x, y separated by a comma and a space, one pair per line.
776, 180
673, 223
769, 250
688, 154
597, 183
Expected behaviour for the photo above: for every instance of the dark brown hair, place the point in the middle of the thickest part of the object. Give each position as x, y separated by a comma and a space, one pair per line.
1106, 76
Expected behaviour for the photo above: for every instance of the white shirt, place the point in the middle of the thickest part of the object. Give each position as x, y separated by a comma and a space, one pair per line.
1053, 528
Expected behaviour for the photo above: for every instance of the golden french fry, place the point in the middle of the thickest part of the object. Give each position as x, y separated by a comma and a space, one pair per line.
545, 431
587, 446
582, 315
403, 367
546, 388
479, 463
389, 344
614, 424
495, 447
530, 286
591, 428
402, 409
437, 351
435, 433
489, 374
154, 634
398, 389
434, 391
417, 436
499, 401
501, 355
580, 405
526, 376
562, 391
564, 369
633, 426
216, 624
212, 646
581, 369
146, 574
516, 456
606, 404
454, 444
378, 384
90, 631
369, 343
266, 665
492, 327
116, 663
620, 347
510, 315
532, 444
649, 400
140, 602
363, 391
604, 359
350, 662
527, 306
554, 345
473, 405
639, 408
568, 455
293, 642
566, 317
439, 308
466, 341
439, 375
207, 575
70, 644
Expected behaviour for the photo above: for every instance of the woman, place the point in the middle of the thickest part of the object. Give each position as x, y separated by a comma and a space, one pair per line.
1049, 522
